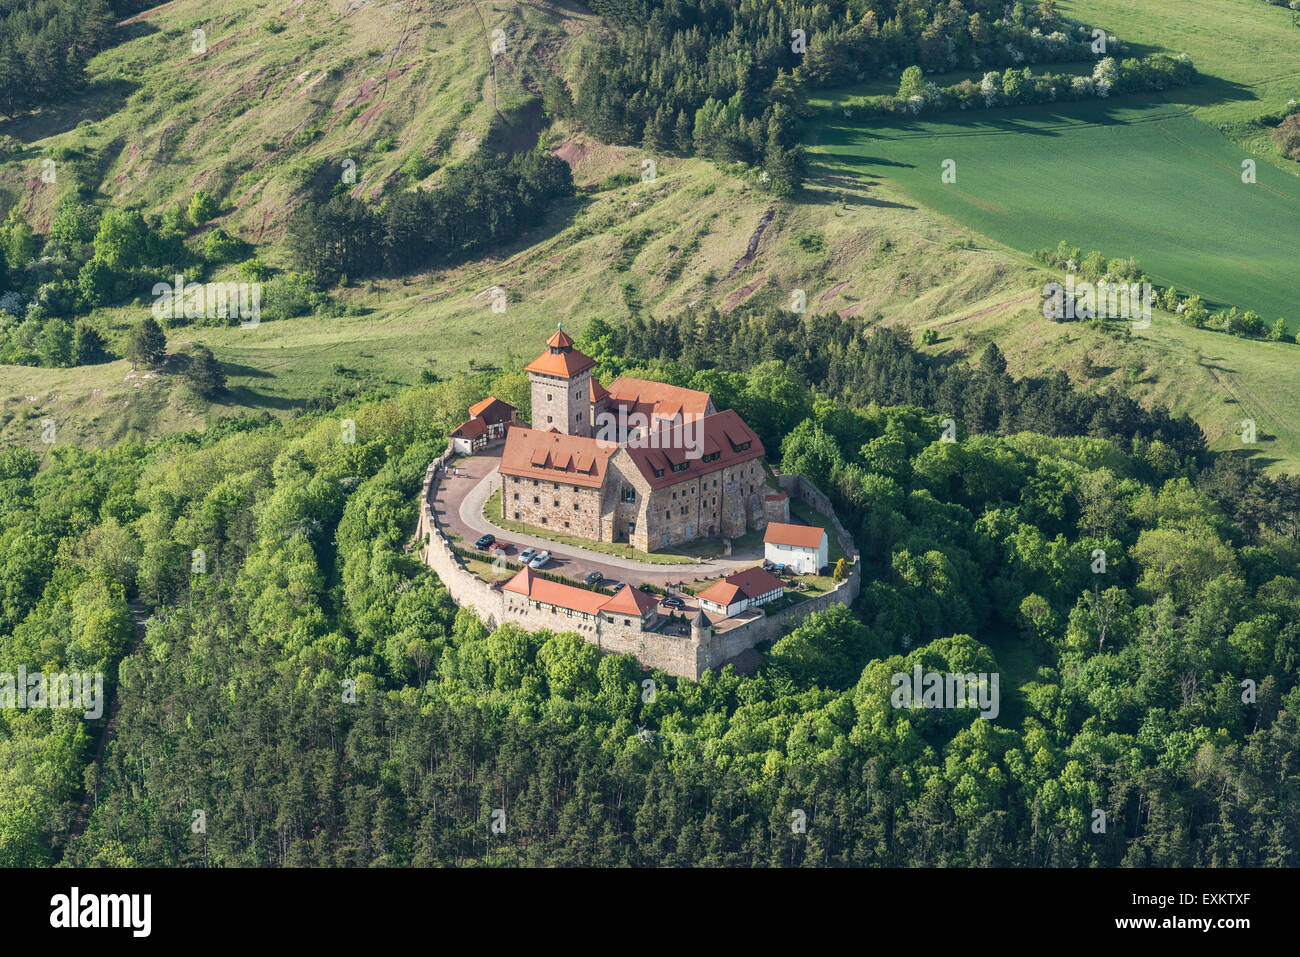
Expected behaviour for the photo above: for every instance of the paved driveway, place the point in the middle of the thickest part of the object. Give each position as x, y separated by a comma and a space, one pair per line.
463, 490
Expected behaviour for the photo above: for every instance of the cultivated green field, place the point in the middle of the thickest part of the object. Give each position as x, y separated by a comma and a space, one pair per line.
1247, 51
1126, 178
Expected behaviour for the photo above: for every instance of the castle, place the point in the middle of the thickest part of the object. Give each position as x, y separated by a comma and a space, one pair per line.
646, 463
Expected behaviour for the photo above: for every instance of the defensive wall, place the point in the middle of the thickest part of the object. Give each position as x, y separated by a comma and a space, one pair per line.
683, 657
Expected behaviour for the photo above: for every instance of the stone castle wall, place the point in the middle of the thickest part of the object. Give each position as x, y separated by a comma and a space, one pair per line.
680, 657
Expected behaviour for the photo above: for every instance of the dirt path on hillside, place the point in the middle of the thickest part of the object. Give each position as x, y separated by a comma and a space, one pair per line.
752, 250
984, 312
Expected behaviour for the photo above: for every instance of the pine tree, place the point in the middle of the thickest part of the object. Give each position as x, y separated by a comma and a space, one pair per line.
204, 373
148, 345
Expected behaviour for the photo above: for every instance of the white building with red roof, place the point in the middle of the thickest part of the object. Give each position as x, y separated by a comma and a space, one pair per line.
801, 548
741, 591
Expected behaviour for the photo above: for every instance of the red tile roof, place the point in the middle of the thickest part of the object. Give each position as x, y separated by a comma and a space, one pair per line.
598, 391
720, 593
470, 430
631, 601
562, 365
537, 588
555, 457
656, 398
492, 410
720, 434
749, 583
800, 536
560, 339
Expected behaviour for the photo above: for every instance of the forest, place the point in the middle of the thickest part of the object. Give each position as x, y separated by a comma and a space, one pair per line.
314, 692
481, 203
729, 81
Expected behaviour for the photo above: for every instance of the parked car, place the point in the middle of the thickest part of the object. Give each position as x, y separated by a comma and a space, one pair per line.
527, 554
595, 578
672, 601
498, 548
485, 541
619, 586
540, 559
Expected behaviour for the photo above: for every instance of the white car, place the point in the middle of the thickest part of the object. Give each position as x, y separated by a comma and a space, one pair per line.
540, 559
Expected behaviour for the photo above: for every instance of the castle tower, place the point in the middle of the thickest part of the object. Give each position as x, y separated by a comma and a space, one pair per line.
561, 383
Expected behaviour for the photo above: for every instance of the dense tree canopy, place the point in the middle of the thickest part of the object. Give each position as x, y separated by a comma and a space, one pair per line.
310, 685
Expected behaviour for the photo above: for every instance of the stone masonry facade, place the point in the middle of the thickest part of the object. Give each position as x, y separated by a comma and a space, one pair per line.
615, 634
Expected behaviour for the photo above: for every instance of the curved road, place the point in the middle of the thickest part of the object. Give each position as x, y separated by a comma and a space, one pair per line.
459, 506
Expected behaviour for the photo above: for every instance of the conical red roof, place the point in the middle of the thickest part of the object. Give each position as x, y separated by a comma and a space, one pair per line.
560, 340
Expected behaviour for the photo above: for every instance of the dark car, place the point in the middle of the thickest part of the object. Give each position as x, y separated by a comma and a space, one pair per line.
595, 578
618, 586
485, 541
672, 601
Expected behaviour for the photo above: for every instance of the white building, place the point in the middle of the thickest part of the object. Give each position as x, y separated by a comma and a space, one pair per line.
740, 591
800, 548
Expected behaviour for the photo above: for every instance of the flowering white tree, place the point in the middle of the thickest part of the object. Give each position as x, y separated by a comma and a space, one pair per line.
989, 88
1103, 75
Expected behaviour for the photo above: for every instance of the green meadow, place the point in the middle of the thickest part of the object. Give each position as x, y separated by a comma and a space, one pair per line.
1147, 181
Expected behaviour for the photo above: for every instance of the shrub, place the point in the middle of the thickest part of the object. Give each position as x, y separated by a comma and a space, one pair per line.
203, 208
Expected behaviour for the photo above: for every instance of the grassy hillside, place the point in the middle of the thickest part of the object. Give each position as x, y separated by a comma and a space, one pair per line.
283, 95
855, 243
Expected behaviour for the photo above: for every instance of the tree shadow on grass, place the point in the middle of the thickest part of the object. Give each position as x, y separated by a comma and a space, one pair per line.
98, 101
243, 395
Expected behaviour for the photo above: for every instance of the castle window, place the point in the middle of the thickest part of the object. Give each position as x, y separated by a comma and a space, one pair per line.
682, 467
548, 397
549, 419
537, 500
556, 486
629, 494
516, 516
555, 503
579, 416
534, 483
659, 473
566, 524
516, 496
711, 456
579, 393
667, 514
674, 496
